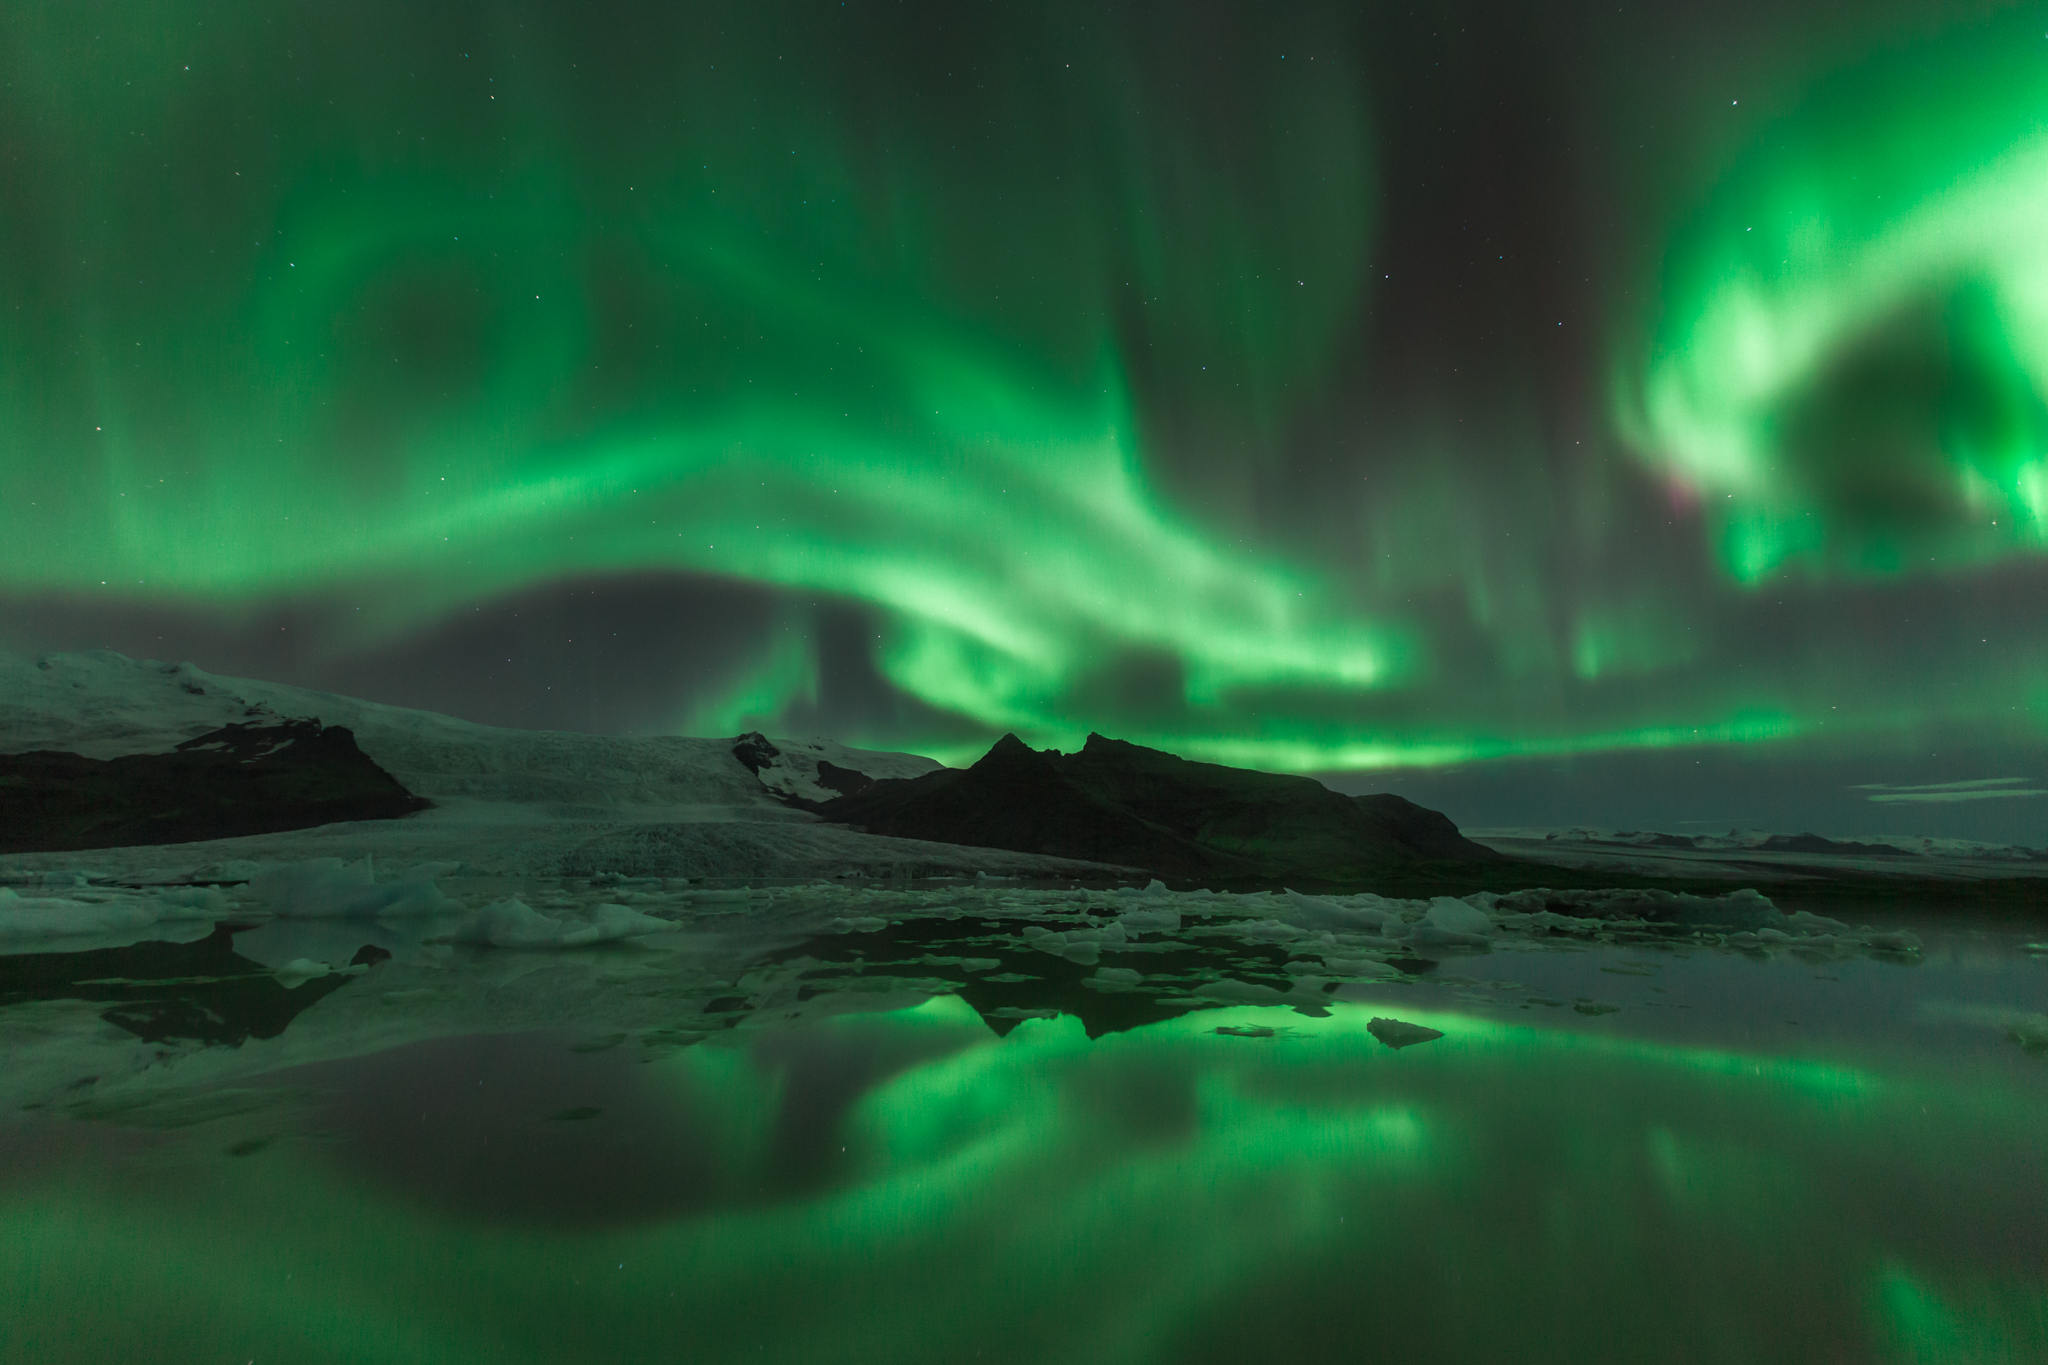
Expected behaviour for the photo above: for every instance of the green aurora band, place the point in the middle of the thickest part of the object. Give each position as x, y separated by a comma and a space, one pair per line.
993, 332
1854, 366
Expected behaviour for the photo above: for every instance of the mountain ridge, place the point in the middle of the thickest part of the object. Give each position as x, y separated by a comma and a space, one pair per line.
1118, 802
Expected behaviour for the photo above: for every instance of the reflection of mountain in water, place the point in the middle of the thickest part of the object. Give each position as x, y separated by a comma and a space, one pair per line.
203, 991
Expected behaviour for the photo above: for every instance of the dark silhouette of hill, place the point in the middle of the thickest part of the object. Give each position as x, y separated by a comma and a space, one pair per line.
240, 779
1122, 803
1814, 843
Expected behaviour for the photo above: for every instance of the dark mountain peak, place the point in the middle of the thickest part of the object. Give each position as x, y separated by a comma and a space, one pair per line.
1430, 833
237, 780
1101, 747
1008, 749
1814, 843
1123, 803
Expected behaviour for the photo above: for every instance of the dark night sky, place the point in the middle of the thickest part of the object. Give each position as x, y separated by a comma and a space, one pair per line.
1561, 413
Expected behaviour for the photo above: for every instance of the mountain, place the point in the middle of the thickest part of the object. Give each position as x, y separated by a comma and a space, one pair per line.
124, 767
1117, 802
240, 779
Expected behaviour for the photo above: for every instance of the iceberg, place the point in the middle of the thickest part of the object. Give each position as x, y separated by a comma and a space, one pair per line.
322, 888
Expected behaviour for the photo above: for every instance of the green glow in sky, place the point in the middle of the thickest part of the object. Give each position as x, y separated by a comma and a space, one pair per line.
1069, 350
1853, 369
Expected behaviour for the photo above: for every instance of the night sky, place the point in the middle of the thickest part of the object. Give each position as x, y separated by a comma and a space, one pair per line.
1556, 413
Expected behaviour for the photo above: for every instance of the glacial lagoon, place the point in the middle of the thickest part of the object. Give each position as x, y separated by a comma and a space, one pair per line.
982, 1121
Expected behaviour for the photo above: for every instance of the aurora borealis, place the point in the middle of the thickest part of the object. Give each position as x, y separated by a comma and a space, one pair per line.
1305, 386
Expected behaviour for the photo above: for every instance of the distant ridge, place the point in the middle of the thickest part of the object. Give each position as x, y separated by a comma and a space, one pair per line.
1117, 802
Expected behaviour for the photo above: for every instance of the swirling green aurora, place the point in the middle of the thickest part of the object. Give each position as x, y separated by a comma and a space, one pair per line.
1178, 372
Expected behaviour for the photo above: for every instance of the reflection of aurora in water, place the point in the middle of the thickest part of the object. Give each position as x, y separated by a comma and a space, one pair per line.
1170, 1194
859, 1170
1045, 371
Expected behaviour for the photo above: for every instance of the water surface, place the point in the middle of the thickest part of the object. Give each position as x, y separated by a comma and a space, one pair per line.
836, 1127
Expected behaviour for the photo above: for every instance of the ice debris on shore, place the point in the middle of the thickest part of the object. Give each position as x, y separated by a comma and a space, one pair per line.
1353, 935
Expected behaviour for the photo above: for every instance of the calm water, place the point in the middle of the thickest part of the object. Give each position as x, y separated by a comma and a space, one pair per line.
916, 1127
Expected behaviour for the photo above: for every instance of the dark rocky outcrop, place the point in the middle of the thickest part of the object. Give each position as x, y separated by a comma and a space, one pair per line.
1635, 839
1814, 843
755, 752
240, 779
1121, 803
845, 781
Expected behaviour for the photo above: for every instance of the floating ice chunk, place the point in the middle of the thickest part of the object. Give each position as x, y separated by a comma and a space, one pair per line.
51, 917
510, 923
1398, 1033
327, 887
107, 913
1313, 912
300, 970
1362, 966
276, 942
1451, 922
231, 870
1893, 941
1747, 908
1569, 924
1456, 917
609, 923
16, 877
1115, 979
190, 902
1806, 922
1076, 945
1154, 913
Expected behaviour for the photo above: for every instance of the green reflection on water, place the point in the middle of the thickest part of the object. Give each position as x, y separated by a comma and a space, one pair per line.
1169, 1193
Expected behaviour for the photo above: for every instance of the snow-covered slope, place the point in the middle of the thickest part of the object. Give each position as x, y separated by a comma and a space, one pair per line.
512, 803
102, 704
